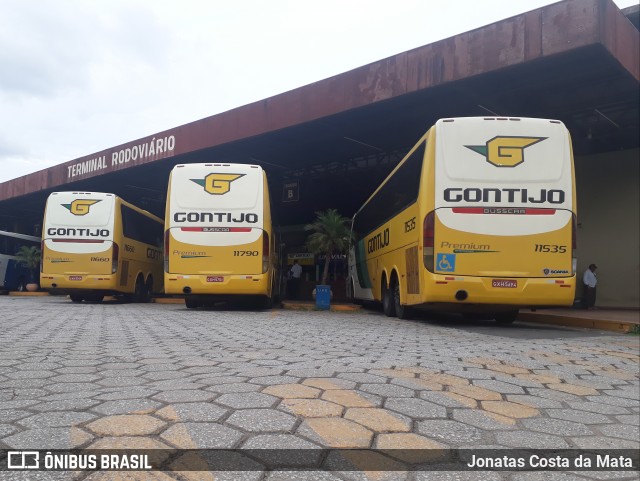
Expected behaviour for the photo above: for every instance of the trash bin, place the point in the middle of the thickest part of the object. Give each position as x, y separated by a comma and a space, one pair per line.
323, 297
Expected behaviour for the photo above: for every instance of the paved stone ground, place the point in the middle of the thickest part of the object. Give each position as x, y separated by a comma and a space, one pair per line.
133, 375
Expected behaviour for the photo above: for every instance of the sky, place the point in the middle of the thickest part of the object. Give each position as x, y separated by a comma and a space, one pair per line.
81, 76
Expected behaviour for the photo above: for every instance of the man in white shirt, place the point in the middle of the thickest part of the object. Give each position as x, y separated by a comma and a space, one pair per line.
296, 273
590, 281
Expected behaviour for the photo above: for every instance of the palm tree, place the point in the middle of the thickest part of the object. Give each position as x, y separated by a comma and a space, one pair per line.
29, 257
330, 235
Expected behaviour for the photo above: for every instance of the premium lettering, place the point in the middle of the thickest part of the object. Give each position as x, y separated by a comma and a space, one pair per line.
512, 196
215, 217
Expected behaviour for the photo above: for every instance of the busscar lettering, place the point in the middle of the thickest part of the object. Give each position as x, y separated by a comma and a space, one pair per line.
221, 217
511, 196
81, 232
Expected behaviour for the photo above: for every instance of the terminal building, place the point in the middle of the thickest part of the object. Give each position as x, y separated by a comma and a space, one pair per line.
329, 144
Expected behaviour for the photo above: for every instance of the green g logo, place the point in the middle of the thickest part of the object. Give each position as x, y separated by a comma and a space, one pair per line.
505, 151
217, 184
80, 206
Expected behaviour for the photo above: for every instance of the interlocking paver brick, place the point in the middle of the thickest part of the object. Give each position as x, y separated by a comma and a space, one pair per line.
126, 425
531, 440
572, 389
379, 420
416, 408
56, 419
347, 398
184, 395
48, 438
234, 387
127, 406
247, 400
195, 411
387, 390
509, 409
328, 384
201, 436
292, 391
336, 432
312, 408
623, 431
260, 420
448, 431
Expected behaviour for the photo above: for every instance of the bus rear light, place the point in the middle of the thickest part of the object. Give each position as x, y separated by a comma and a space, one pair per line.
428, 235
265, 252
114, 258
428, 229
166, 250
574, 244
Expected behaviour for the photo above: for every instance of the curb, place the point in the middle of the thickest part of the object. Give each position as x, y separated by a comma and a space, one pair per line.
601, 324
28, 294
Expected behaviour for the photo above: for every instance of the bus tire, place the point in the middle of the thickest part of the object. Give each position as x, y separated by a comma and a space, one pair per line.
507, 317
388, 305
402, 312
149, 289
139, 293
191, 303
75, 298
97, 298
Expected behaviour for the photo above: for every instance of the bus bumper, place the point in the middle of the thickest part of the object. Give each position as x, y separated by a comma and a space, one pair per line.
212, 284
70, 283
514, 291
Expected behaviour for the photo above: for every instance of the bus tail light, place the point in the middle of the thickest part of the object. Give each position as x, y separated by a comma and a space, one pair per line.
114, 258
428, 236
166, 250
574, 243
265, 252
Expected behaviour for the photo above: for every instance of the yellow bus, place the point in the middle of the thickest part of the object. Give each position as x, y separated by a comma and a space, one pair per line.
219, 239
96, 244
478, 218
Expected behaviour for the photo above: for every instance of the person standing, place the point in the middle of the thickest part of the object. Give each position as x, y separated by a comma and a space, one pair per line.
590, 281
296, 273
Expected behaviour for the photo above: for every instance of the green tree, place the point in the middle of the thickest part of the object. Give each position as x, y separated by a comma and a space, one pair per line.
29, 257
330, 234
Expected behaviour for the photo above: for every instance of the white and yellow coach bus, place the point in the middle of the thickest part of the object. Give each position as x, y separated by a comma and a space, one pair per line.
96, 244
478, 218
219, 240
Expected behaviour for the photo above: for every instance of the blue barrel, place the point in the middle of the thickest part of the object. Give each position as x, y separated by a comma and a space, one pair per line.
323, 297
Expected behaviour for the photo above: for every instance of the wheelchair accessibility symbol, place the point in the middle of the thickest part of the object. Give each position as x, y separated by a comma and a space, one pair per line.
446, 262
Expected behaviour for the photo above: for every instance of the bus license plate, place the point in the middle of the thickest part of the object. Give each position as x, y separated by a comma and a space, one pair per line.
215, 279
75, 278
509, 283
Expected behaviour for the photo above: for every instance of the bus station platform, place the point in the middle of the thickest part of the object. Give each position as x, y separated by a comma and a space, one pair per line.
617, 320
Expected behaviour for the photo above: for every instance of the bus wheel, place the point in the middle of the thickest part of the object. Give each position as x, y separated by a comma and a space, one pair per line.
388, 305
148, 290
191, 303
139, 294
402, 312
75, 298
507, 317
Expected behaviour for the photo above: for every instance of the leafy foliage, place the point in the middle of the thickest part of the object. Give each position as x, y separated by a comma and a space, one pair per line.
330, 234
